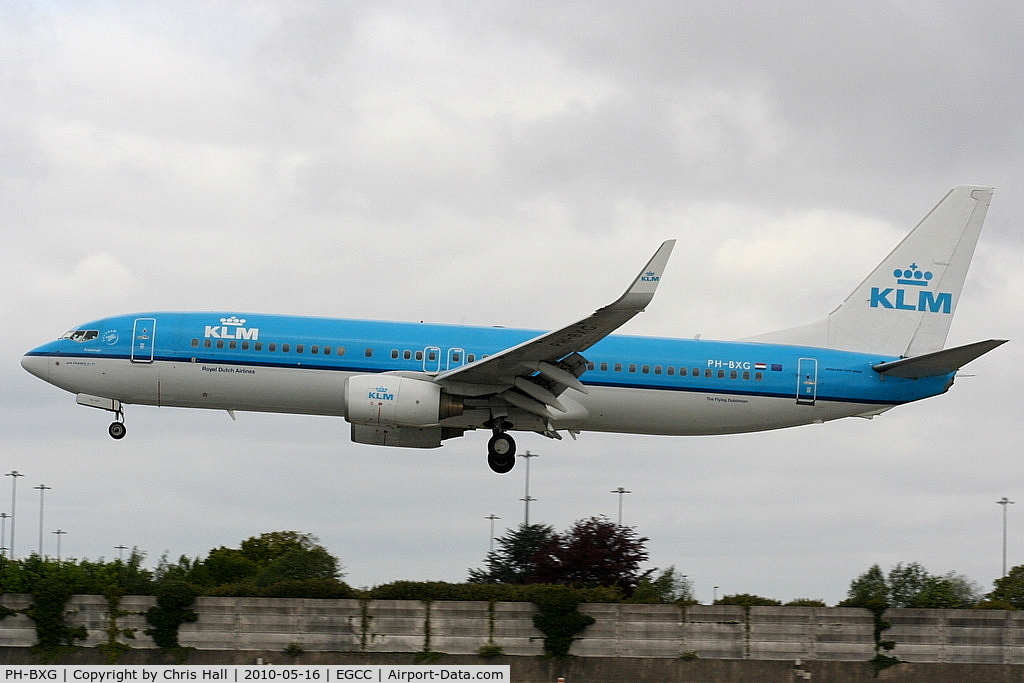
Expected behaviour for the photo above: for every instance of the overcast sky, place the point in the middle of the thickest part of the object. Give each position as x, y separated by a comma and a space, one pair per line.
510, 163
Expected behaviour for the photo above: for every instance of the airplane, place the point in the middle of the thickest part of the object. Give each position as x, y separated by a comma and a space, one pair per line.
415, 385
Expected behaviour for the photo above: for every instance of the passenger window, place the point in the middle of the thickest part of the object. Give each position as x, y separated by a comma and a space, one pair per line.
604, 367
632, 367
314, 349
707, 372
195, 343
646, 369
456, 357
285, 348
732, 374
618, 367
273, 346
721, 374
259, 346
671, 370
340, 351
431, 355
220, 343
758, 376
394, 354
232, 344
207, 343
299, 348
245, 346
368, 353
419, 355
746, 374
657, 369
471, 357
327, 350
407, 355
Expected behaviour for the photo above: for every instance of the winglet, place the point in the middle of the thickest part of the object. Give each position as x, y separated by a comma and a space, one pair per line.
641, 291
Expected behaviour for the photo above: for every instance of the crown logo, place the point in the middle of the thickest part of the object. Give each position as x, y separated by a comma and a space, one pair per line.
232, 321
912, 276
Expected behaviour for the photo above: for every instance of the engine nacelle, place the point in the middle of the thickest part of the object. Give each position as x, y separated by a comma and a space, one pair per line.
390, 401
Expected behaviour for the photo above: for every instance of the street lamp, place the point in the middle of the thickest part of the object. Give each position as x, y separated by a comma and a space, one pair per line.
59, 532
3, 531
13, 474
620, 491
526, 499
120, 551
42, 489
1004, 502
493, 517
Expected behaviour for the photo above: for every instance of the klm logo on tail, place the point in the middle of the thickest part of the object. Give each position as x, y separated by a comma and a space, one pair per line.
916, 298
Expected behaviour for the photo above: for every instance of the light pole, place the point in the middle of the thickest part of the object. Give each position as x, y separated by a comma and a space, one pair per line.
120, 551
42, 489
1004, 502
3, 530
492, 517
59, 532
526, 499
13, 474
620, 491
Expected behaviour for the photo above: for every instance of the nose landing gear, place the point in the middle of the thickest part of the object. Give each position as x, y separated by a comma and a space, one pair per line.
501, 452
112, 405
117, 430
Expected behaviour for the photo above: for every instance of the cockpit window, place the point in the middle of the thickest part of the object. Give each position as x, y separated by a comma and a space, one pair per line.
81, 335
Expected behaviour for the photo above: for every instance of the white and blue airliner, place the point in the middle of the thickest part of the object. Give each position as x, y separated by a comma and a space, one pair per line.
414, 385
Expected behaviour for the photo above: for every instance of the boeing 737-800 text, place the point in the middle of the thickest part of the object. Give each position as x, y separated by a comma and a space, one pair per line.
414, 385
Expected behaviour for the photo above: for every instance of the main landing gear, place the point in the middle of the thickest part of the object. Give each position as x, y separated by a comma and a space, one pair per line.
501, 452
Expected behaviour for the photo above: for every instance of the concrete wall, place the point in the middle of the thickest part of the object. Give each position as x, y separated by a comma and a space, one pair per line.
634, 631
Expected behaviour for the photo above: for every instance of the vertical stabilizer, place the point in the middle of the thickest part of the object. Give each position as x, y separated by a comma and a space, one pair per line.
905, 307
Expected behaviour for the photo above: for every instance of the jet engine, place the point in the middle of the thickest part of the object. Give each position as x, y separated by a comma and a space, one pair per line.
390, 401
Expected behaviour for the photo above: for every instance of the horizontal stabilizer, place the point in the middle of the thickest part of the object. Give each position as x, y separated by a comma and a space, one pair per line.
937, 363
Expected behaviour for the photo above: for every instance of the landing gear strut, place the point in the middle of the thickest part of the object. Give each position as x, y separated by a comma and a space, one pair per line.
501, 452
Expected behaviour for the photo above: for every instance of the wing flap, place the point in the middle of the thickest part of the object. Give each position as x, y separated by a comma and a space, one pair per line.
937, 363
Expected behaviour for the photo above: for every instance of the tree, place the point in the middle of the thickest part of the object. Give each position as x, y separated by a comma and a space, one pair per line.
272, 557
868, 590
228, 565
905, 583
950, 591
668, 586
910, 585
1009, 589
594, 552
747, 600
513, 561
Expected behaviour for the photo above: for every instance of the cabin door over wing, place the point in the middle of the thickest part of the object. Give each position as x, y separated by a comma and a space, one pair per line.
432, 359
807, 381
143, 339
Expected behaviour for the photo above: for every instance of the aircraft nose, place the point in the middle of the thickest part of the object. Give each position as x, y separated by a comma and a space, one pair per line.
37, 365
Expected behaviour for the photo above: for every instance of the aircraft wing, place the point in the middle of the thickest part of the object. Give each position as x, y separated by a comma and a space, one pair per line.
532, 374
